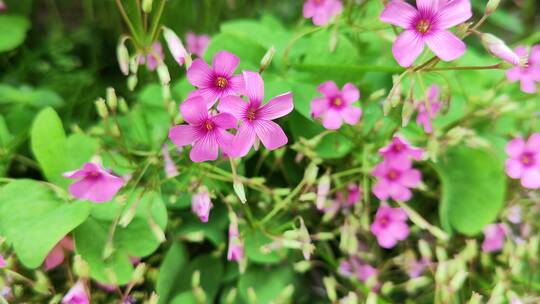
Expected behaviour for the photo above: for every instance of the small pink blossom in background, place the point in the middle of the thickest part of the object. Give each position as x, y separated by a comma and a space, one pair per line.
57, 254
175, 46
197, 44
77, 295
524, 160
170, 167
150, 59
256, 118
494, 236
395, 177
424, 118
94, 183
529, 73
3, 6
390, 226
235, 251
400, 148
336, 105
217, 81
415, 267
323, 188
349, 197
201, 204
205, 132
498, 48
427, 24
354, 267
321, 11
514, 214
2, 261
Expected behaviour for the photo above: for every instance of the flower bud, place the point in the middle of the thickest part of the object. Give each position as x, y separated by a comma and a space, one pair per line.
310, 175
101, 108
122, 55
196, 279
323, 188
112, 101
154, 299
239, 190
163, 73
492, 6
330, 286
80, 267
175, 46
252, 297
231, 297
407, 111
424, 249
416, 283
122, 105
302, 266
498, 48
132, 82
267, 59
138, 274
475, 299
147, 6
458, 279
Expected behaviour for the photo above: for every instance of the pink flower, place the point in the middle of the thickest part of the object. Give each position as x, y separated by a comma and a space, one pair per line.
514, 214
56, 255
321, 11
336, 106
201, 204
175, 46
2, 261
354, 267
236, 247
395, 177
197, 44
424, 118
524, 161
415, 267
217, 81
494, 235
77, 295
400, 148
94, 183
428, 24
205, 132
257, 118
349, 197
529, 73
390, 226
151, 58
170, 168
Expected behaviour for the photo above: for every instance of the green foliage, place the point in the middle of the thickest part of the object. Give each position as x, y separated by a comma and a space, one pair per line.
13, 31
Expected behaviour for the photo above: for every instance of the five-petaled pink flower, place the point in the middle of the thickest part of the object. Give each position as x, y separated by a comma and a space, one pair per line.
235, 251
57, 254
321, 11
424, 118
94, 183
256, 118
390, 226
217, 81
427, 24
201, 204
395, 177
400, 148
336, 106
524, 161
494, 236
151, 59
529, 73
206, 132
77, 294
197, 44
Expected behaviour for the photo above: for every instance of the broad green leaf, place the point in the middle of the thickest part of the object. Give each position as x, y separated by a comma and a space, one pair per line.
175, 260
48, 141
267, 283
13, 31
473, 189
25, 95
249, 51
185, 297
79, 149
33, 218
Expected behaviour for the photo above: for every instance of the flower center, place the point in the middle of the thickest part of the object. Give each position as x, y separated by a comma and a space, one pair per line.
384, 221
338, 102
251, 114
93, 174
221, 82
398, 147
318, 2
527, 159
423, 26
393, 174
208, 125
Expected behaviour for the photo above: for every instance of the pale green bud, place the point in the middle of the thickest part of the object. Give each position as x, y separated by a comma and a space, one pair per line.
147, 6
101, 108
267, 59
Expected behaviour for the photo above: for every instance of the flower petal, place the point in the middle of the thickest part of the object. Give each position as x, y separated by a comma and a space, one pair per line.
243, 141
276, 107
533, 143
514, 168
309, 9
528, 85
531, 179
380, 189
194, 110
350, 93
399, 230
200, 74
224, 63
270, 133
329, 89
236, 84
54, 258
204, 149
410, 178
453, 13
386, 240
399, 13
445, 45
399, 192
407, 47
233, 105
254, 87
332, 120
183, 135
225, 121
351, 115
319, 105
515, 147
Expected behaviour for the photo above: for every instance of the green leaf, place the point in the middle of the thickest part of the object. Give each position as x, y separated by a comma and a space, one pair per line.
13, 31
175, 260
79, 149
34, 219
28, 96
213, 230
135, 240
48, 142
267, 283
473, 189
254, 240
248, 50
